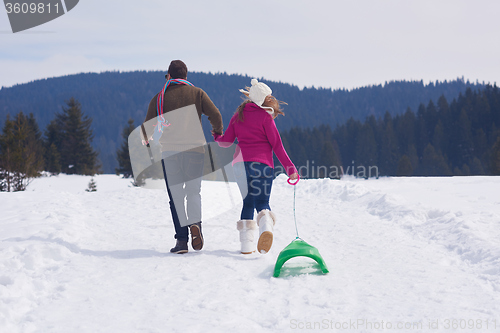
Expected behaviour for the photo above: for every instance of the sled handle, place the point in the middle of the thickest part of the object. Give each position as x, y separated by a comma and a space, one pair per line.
290, 181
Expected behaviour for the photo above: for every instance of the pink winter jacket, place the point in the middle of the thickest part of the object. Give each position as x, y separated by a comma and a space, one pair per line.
257, 138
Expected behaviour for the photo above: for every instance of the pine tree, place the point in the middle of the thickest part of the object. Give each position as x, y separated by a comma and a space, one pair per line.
36, 141
52, 160
21, 152
480, 143
439, 139
92, 187
476, 167
495, 158
422, 135
7, 156
433, 163
465, 143
406, 131
366, 147
3, 183
71, 134
52, 142
122, 155
465, 170
346, 136
329, 162
414, 160
388, 147
404, 167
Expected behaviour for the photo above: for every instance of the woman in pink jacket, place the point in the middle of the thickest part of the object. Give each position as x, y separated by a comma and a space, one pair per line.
253, 125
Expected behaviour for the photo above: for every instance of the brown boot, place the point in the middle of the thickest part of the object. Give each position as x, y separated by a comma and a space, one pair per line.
196, 236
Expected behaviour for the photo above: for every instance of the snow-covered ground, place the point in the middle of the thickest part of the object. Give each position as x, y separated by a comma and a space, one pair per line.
404, 254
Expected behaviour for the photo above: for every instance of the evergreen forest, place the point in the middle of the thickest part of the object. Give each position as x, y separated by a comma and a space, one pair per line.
398, 129
111, 99
65, 146
461, 137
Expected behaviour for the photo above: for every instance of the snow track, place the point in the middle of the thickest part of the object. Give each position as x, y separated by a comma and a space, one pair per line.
405, 251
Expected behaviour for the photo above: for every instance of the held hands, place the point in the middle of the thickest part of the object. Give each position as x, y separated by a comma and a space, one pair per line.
145, 140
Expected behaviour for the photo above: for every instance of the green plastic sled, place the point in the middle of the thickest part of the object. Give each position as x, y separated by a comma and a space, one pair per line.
298, 248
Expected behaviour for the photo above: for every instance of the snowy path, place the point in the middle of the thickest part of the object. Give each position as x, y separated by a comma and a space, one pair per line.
405, 251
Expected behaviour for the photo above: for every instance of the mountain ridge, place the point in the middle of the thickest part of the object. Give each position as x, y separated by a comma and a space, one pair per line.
111, 98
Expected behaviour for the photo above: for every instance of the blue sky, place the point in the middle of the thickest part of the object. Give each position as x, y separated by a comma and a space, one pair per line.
337, 44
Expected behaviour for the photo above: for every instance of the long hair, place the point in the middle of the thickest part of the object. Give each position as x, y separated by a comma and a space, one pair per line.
270, 101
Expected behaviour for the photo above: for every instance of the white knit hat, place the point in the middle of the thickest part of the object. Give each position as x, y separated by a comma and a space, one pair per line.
258, 93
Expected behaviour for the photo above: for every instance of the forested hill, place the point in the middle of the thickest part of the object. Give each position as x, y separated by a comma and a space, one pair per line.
440, 139
111, 98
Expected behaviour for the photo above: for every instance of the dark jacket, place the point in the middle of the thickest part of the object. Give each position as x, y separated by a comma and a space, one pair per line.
177, 97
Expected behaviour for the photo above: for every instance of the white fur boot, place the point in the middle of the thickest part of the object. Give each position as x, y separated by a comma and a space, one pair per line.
247, 229
266, 220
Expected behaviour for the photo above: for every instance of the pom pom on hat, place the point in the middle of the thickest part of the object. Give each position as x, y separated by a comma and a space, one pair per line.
258, 92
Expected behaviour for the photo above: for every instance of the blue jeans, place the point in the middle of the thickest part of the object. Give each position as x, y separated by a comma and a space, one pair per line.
183, 172
255, 181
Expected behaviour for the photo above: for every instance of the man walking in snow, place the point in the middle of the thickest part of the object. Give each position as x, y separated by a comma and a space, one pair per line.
178, 109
